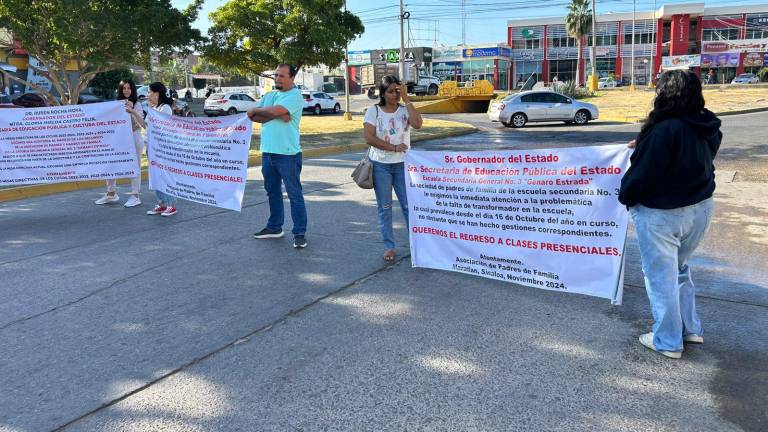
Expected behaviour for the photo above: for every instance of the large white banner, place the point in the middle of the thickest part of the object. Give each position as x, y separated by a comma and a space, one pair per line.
204, 160
542, 218
66, 143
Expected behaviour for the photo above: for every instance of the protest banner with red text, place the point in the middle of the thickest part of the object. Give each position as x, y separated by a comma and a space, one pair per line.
542, 218
204, 160
66, 143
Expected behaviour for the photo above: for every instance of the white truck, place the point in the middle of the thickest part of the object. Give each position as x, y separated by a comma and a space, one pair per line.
417, 80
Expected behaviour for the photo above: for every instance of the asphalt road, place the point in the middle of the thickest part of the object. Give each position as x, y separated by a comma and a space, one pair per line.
111, 320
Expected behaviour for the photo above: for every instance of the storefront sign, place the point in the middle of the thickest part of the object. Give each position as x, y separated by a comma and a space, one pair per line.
359, 58
528, 33
757, 22
751, 45
412, 55
487, 52
720, 60
448, 54
756, 60
681, 61
528, 54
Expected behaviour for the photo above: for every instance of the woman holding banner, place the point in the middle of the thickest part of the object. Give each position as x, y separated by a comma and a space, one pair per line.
668, 189
387, 130
160, 100
126, 91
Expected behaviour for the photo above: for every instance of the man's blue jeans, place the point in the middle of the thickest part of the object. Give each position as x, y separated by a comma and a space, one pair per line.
667, 238
277, 168
385, 178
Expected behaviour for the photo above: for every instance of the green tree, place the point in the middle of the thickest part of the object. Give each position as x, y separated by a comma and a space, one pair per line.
172, 73
252, 36
105, 84
95, 36
578, 23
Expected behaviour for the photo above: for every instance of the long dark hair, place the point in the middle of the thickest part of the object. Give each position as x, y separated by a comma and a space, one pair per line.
678, 93
165, 97
133, 97
386, 81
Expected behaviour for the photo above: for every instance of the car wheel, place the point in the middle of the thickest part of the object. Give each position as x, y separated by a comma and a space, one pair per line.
519, 120
432, 90
317, 110
191, 114
581, 117
232, 111
336, 108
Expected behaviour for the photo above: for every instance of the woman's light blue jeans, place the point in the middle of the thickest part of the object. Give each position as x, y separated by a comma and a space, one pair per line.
385, 178
667, 239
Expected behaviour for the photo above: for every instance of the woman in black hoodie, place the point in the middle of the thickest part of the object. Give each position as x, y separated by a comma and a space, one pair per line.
668, 189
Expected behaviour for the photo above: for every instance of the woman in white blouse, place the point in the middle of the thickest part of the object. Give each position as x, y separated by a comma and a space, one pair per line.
387, 129
160, 100
127, 91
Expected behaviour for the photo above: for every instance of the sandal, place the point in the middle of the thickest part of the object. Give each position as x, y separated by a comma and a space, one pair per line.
389, 255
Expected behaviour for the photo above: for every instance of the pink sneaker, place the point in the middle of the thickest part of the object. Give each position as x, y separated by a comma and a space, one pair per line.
159, 209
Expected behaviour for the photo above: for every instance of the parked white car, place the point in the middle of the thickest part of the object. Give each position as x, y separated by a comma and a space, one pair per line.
746, 78
317, 102
606, 82
228, 104
142, 92
541, 106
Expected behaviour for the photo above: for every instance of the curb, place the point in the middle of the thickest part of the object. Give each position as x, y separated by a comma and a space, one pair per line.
23, 192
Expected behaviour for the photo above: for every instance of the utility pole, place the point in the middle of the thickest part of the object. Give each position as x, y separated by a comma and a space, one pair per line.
402, 44
347, 113
632, 61
653, 46
463, 22
593, 54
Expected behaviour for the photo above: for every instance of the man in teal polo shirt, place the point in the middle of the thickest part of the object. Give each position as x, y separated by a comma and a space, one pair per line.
280, 112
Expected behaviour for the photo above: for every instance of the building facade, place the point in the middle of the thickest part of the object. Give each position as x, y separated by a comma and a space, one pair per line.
474, 62
727, 40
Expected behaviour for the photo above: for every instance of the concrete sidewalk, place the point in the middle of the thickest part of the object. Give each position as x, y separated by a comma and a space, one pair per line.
111, 320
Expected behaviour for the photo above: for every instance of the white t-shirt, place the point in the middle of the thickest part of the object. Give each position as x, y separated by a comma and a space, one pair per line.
164, 108
392, 128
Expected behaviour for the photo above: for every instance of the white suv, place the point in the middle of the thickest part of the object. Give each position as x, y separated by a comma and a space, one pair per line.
317, 102
228, 104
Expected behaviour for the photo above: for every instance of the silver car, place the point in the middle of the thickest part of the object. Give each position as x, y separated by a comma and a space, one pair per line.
746, 78
541, 106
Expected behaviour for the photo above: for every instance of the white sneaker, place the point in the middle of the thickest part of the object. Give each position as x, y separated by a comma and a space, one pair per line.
106, 199
133, 201
647, 341
693, 338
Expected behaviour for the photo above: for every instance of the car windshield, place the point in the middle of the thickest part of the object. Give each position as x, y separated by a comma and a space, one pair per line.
216, 96
508, 98
745, 76
307, 96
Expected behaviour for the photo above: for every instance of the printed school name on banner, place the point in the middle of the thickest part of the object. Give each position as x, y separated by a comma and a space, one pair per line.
542, 218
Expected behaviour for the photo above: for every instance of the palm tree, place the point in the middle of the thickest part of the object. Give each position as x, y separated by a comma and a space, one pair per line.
578, 23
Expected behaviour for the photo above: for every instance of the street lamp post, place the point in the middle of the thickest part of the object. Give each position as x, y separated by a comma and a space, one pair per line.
593, 54
347, 113
402, 44
632, 60
653, 46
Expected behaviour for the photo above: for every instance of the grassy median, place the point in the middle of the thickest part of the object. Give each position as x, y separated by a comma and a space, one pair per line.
333, 130
623, 105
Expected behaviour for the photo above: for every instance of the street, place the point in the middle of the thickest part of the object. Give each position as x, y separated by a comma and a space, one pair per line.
111, 320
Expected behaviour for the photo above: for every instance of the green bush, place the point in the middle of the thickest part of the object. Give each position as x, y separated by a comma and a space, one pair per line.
570, 89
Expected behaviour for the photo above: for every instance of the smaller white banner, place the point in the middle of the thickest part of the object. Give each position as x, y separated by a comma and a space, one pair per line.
680, 61
204, 160
547, 219
66, 143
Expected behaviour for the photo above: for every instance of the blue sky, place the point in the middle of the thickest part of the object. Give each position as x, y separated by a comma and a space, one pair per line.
441, 19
